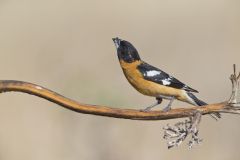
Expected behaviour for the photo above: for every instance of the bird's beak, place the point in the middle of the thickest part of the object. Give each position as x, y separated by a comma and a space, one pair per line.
117, 42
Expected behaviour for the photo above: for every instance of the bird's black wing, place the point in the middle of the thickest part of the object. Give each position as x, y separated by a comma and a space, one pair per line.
158, 76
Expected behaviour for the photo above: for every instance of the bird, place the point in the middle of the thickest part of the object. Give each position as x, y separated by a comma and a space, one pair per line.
151, 81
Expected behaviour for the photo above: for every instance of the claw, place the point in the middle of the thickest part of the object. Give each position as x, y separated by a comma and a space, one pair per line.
166, 109
145, 110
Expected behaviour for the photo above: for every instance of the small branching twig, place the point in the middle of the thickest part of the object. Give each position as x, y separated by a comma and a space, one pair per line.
178, 133
234, 99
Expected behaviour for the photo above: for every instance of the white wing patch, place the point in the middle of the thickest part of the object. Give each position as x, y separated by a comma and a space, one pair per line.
185, 87
153, 73
166, 81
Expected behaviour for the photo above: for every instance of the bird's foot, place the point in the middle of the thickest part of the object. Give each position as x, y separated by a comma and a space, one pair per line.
166, 109
146, 109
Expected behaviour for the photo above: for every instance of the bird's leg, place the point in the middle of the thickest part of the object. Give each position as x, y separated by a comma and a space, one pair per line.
168, 107
159, 100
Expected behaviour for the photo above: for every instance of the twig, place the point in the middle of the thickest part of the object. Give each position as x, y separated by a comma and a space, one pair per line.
177, 134
235, 87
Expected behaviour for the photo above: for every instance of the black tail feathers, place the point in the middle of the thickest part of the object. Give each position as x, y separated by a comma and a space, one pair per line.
201, 103
196, 100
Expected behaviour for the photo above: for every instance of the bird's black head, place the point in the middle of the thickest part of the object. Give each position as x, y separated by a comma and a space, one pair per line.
126, 51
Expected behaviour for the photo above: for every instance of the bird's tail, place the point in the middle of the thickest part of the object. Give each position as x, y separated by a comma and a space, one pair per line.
199, 102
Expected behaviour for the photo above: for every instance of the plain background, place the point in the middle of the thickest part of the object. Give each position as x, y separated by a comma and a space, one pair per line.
66, 45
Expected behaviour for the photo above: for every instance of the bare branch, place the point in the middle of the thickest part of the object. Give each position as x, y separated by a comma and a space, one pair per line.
33, 89
175, 135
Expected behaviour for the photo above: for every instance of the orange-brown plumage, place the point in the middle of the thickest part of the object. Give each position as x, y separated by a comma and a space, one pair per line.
152, 81
149, 88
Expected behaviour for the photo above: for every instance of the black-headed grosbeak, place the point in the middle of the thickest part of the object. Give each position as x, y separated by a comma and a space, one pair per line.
152, 81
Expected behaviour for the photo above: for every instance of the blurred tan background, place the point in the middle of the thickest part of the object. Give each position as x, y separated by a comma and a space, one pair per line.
66, 46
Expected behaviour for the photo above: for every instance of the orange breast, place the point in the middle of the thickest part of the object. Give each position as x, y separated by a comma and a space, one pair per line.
146, 87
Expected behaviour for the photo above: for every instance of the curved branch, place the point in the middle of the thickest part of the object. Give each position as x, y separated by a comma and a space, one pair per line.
174, 134
33, 89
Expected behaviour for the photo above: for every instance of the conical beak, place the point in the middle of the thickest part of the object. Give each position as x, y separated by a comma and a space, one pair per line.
117, 42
